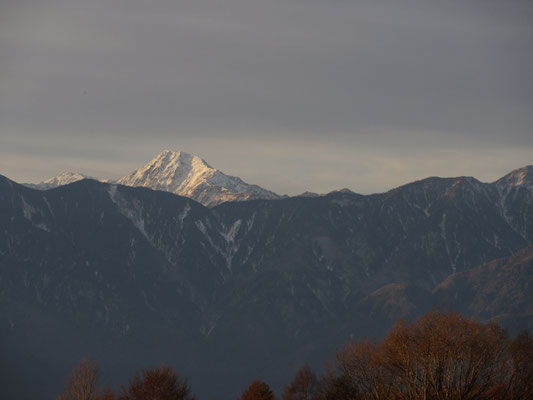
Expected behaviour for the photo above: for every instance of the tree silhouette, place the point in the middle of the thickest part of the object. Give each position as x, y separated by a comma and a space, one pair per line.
106, 394
258, 390
160, 383
441, 356
521, 377
83, 382
446, 356
335, 387
303, 387
362, 370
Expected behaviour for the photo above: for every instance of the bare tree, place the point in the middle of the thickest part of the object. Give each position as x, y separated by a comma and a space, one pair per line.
520, 383
445, 357
361, 364
106, 394
442, 356
258, 390
83, 382
303, 386
335, 387
160, 383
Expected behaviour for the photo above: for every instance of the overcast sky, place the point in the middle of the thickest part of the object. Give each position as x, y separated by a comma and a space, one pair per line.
292, 95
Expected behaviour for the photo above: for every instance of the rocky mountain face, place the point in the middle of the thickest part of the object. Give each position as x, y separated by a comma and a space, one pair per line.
133, 277
499, 290
190, 176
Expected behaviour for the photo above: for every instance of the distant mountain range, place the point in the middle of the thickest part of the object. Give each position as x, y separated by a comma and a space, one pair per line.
252, 289
179, 173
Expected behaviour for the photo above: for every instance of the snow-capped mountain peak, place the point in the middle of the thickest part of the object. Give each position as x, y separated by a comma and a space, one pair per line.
59, 180
170, 171
189, 175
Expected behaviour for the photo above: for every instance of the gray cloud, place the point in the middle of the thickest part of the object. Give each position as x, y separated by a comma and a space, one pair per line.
103, 84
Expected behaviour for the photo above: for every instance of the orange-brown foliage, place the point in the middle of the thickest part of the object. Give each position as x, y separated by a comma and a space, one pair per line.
106, 394
303, 387
83, 384
258, 390
160, 383
442, 356
520, 384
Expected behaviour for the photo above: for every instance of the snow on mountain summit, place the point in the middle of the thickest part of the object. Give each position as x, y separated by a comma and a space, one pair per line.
190, 176
519, 178
59, 180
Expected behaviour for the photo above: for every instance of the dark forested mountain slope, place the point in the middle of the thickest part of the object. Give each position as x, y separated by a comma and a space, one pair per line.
132, 276
501, 290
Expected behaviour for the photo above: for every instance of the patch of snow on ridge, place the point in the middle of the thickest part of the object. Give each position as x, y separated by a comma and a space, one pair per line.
231, 246
27, 210
131, 211
442, 226
184, 214
230, 234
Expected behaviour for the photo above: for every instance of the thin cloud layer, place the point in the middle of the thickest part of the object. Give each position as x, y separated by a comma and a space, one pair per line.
112, 82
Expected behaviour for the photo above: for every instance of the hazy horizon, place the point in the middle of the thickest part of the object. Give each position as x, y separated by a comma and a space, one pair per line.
282, 193
292, 96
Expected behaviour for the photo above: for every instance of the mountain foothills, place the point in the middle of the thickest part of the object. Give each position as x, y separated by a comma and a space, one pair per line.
183, 174
242, 290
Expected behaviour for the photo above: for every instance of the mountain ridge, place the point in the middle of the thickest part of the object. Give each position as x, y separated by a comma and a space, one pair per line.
260, 283
180, 173
190, 176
